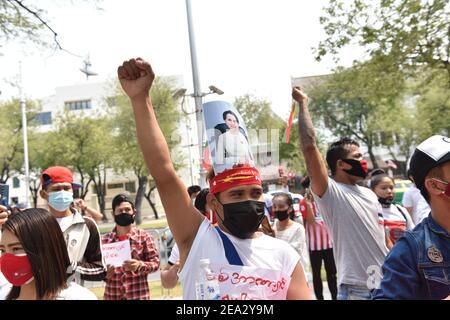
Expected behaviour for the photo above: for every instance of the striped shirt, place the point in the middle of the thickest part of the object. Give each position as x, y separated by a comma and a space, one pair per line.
317, 235
127, 285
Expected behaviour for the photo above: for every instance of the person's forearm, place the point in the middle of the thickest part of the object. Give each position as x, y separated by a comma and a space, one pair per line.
306, 128
314, 162
309, 215
94, 213
151, 139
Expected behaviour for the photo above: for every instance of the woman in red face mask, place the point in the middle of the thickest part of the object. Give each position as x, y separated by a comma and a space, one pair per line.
34, 259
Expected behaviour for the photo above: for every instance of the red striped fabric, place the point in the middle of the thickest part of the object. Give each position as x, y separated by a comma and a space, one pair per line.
317, 235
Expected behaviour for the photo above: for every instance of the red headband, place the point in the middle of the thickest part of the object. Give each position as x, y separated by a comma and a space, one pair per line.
234, 177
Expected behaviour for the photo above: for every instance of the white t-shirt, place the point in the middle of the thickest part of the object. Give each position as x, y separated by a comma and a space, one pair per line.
262, 252
414, 199
396, 222
354, 219
5, 287
295, 235
72, 292
174, 254
76, 292
268, 205
65, 222
233, 148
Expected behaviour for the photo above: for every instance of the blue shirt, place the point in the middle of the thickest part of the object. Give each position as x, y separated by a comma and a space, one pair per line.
418, 267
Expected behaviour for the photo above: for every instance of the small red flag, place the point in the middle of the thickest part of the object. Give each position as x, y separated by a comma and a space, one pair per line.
289, 126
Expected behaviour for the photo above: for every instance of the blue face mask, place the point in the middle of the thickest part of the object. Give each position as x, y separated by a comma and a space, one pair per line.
60, 200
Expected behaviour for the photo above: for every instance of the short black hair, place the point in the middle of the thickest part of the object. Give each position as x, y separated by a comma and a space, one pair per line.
200, 200
287, 197
224, 115
377, 176
193, 189
121, 197
305, 182
338, 150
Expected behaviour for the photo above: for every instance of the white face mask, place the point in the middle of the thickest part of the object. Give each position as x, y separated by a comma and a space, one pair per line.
60, 200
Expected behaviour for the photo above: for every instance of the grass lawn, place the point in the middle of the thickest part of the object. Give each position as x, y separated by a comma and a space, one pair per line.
155, 291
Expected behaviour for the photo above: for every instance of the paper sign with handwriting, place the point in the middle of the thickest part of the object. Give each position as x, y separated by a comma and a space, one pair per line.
250, 283
116, 253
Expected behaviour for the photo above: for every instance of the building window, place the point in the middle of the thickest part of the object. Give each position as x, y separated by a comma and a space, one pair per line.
78, 105
16, 183
130, 187
43, 118
115, 185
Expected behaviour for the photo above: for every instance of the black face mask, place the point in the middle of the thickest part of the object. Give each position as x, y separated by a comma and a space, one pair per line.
242, 219
386, 201
359, 167
124, 219
282, 215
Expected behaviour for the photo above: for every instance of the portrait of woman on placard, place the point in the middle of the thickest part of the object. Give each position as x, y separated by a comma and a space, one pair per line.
232, 145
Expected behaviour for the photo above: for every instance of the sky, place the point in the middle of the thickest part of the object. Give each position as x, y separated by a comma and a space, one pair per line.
243, 46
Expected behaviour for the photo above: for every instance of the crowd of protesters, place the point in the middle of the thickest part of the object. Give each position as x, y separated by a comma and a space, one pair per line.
371, 247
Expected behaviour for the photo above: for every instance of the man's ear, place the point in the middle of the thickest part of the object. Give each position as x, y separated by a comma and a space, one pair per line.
342, 165
211, 201
432, 187
43, 194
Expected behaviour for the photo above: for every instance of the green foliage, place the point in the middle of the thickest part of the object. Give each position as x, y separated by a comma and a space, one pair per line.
433, 106
16, 23
258, 115
414, 32
26, 22
167, 113
129, 156
11, 136
364, 102
81, 143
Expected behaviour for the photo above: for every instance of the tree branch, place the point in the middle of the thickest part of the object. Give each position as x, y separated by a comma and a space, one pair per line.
55, 35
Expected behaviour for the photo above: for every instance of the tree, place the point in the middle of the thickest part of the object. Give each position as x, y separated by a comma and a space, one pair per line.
361, 102
25, 22
433, 106
38, 157
129, 154
413, 32
261, 122
85, 145
257, 113
11, 136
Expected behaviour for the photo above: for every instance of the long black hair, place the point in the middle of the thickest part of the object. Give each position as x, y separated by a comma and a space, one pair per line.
42, 240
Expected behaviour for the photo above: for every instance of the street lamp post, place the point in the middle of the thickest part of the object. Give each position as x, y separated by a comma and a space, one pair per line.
197, 95
25, 140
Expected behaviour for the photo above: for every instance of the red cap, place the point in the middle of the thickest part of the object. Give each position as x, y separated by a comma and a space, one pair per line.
234, 177
57, 175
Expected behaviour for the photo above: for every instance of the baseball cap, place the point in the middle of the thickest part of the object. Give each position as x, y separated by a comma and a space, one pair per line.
429, 154
56, 175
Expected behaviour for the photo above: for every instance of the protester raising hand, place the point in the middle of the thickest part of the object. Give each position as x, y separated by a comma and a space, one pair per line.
3, 214
136, 77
